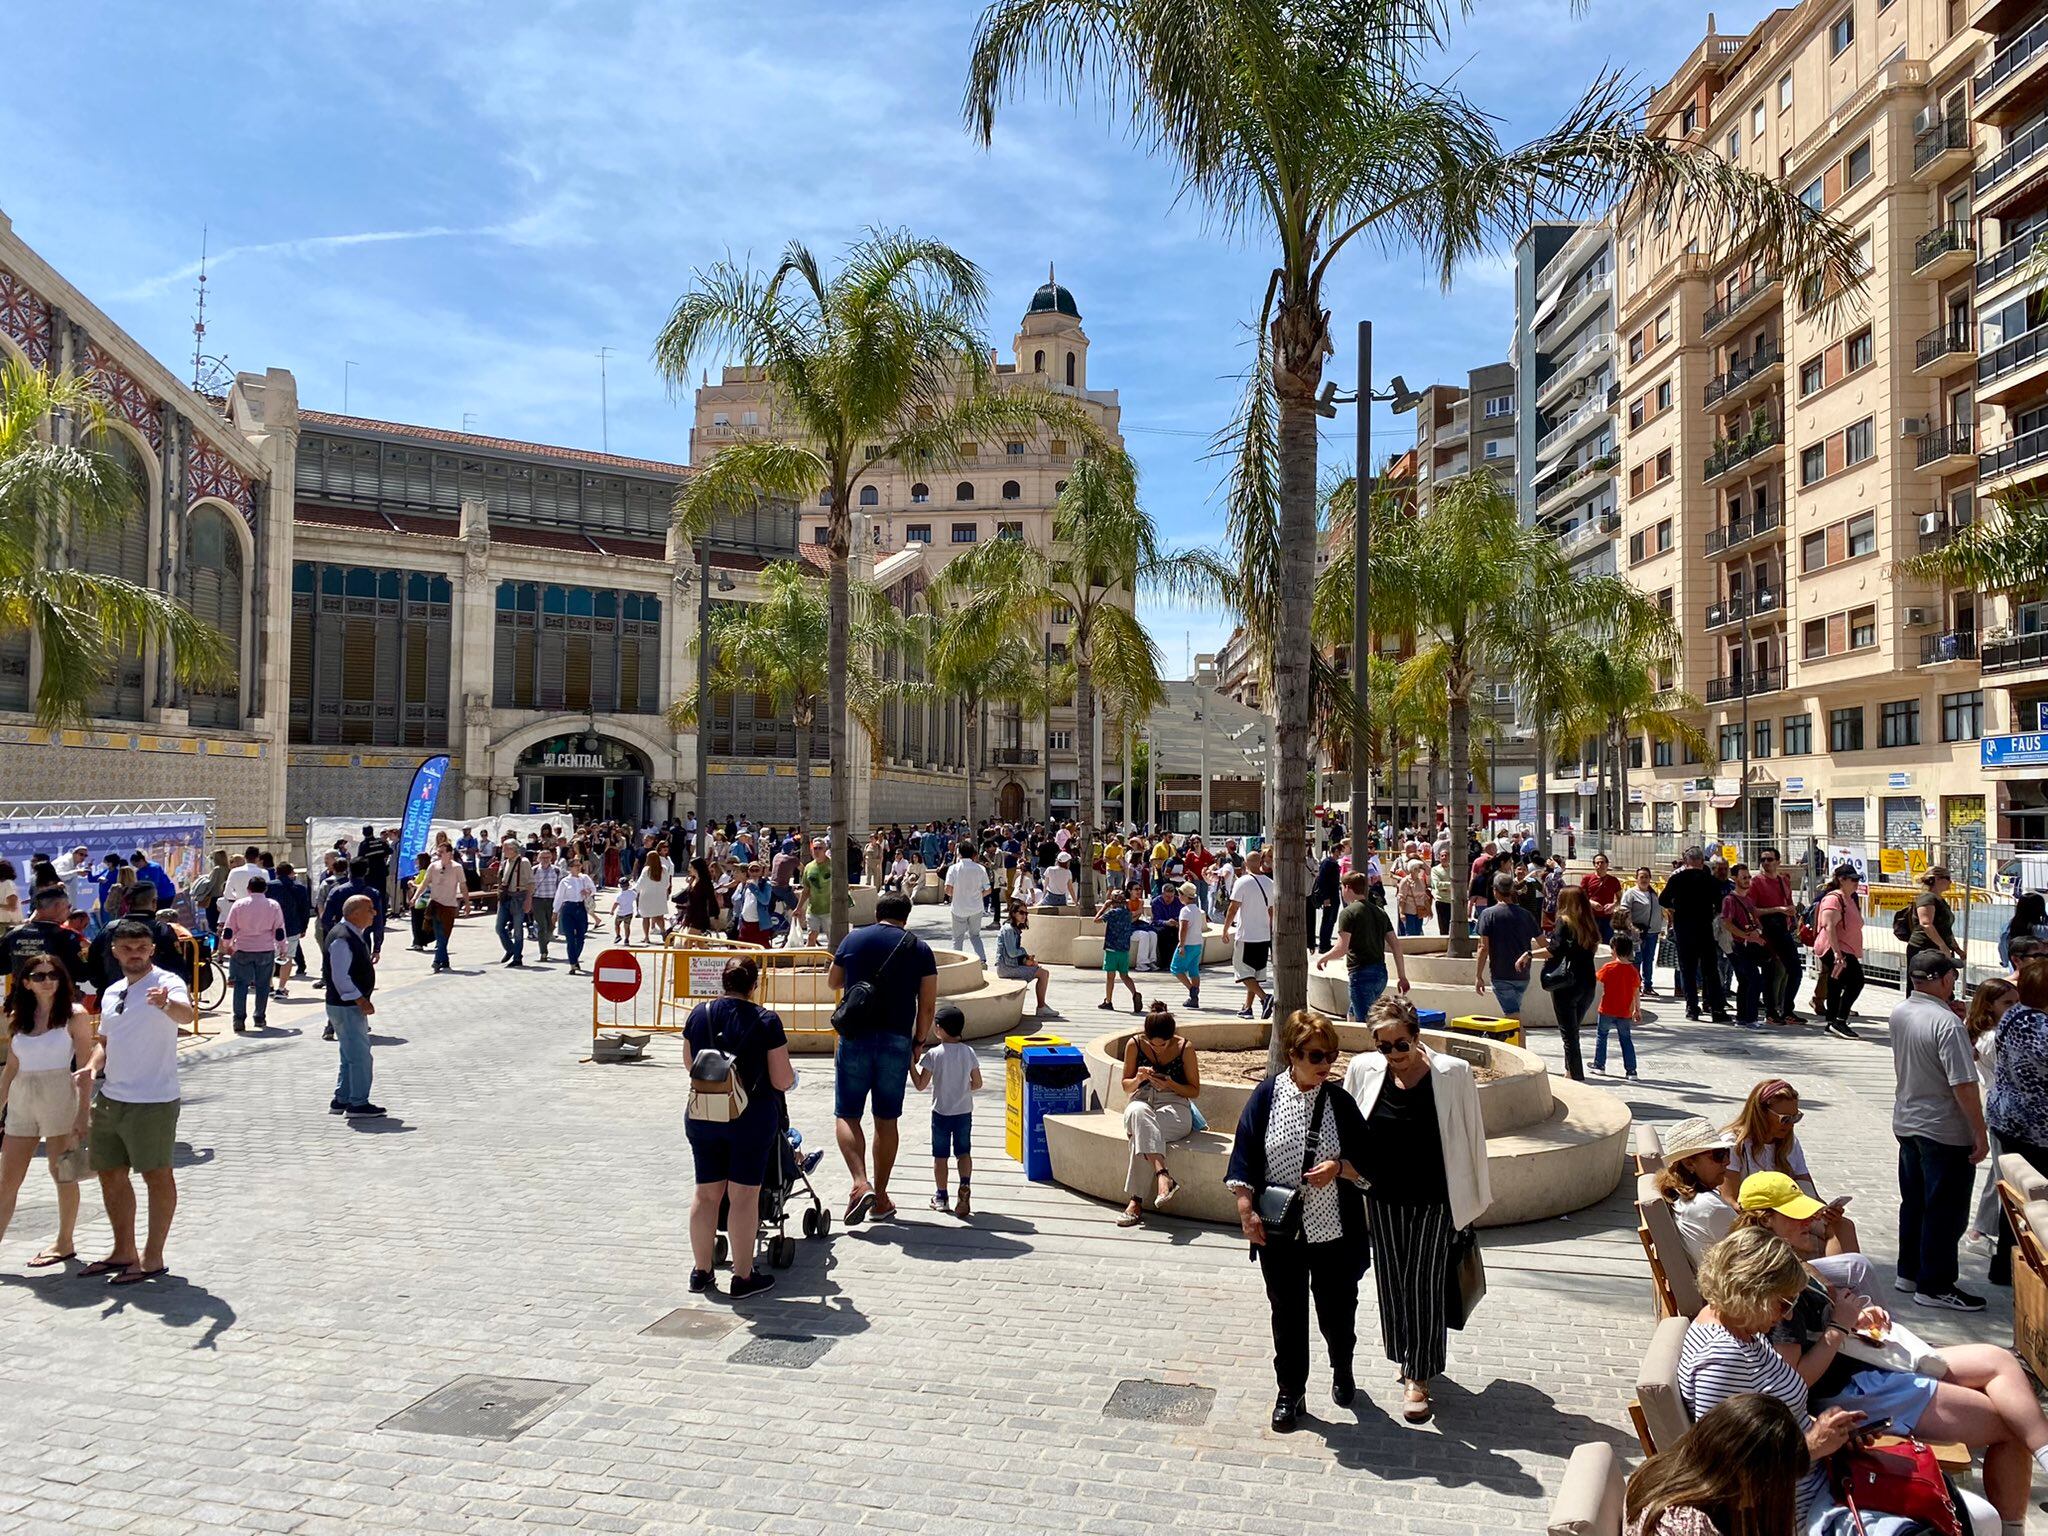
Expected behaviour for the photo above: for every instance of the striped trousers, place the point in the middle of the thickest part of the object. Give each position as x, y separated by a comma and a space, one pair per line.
1411, 1252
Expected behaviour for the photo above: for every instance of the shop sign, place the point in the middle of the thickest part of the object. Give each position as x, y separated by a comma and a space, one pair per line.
2012, 751
1795, 786
558, 761
1899, 781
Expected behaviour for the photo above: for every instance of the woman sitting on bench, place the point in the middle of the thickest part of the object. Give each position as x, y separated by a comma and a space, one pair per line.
1696, 1154
1767, 1141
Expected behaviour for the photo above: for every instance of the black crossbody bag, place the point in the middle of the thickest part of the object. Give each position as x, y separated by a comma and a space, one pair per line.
1280, 1207
859, 1008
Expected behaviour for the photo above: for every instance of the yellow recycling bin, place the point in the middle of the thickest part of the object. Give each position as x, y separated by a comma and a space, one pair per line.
1013, 1087
1487, 1027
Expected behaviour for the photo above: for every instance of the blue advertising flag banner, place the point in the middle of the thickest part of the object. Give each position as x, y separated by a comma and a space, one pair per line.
420, 801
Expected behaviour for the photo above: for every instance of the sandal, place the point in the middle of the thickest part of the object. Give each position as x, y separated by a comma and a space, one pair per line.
1129, 1217
1415, 1405
100, 1267
859, 1205
1161, 1202
46, 1258
137, 1276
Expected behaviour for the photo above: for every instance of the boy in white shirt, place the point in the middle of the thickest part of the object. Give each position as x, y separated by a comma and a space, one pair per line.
952, 1072
623, 908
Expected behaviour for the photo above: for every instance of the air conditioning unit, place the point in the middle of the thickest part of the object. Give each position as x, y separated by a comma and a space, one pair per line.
1915, 617
1913, 426
1932, 522
1925, 119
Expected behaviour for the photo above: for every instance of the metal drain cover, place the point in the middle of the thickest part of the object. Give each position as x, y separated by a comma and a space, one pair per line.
798, 1351
484, 1407
692, 1323
1159, 1402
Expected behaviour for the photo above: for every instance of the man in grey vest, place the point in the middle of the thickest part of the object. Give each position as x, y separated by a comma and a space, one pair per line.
351, 978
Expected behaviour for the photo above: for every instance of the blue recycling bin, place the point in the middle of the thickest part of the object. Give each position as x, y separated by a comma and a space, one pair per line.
1055, 1083
1430, 1018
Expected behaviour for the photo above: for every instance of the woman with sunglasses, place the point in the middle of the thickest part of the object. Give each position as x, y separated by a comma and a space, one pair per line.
1298, 1132
47, 1097
1767, 1141
1425, 1168
1696, 1154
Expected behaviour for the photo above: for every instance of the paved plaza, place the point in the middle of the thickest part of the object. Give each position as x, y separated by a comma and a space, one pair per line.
521, 1215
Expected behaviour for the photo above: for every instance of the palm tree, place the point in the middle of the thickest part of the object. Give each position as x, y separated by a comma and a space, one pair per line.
882, 363
2004, 550
1310, 126
1103, 547
1620, 698
777, 646
82, 623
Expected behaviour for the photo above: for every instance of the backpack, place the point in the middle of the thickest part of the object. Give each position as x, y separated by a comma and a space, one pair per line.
1809, 924
717, 1096
1902, 923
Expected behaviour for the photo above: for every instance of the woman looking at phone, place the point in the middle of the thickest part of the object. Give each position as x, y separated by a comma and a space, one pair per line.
1767, 1141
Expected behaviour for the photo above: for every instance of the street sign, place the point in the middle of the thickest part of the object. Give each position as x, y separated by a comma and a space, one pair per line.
615, 976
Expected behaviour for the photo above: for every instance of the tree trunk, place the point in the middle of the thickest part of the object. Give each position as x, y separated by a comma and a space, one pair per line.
1083, 846
1434, 795
973, 716
1300, 336
804, 720
1621, 779
1046, 745
839, 768
1457, 808
1542, 782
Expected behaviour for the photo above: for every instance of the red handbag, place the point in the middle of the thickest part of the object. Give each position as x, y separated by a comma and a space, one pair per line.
1898, 1477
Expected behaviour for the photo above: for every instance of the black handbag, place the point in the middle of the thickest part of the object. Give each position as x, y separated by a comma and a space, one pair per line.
1557, 965
859, 1009
1464, 1280
1280, 1207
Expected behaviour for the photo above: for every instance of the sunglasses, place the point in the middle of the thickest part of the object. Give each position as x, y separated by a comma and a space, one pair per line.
1316, 1058
1790, 1117
1393, 1047
42, 976
1718, 1154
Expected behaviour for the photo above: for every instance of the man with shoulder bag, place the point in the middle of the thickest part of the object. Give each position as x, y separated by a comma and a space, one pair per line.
888, 982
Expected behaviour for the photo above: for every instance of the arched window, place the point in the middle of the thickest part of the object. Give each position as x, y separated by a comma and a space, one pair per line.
1070, 370
1012, 491
920, 493
214, 556
1038, 362
869, 496
964, 491
119, 549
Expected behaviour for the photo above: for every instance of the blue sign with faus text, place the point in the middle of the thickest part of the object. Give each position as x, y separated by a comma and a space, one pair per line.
2013, 751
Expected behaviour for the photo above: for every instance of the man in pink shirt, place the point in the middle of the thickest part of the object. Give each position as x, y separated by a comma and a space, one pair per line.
252, 936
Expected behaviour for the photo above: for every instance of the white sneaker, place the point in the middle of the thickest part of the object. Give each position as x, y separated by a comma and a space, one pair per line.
1902, 1284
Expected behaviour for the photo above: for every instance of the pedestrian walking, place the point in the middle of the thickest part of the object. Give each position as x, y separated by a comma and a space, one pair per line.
575, 895
888, 984
1506, 934
1838, 950
951, 1071
1646, 925
1570, 968
351, 979
1250, 916
1938, 1118
1325, 897
1620, 1005
737, 1055
1602, 890
1426, 1184
515, 897
447, 892
296, 902
134, 1116
1187, 953
1365, 937
1770, 892
967, 891
1692, 898
252, 937
547, 880
1742, 937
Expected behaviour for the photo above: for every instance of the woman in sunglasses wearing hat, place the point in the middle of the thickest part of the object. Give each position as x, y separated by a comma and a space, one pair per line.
1696, 1154
1300, 1133
1980, 1396
1426, 1179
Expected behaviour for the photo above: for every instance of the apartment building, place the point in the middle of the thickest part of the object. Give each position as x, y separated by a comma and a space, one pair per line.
1463, 427
1567, 397
1784, 448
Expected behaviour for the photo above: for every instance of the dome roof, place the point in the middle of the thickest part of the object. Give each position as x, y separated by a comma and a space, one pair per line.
1052, 299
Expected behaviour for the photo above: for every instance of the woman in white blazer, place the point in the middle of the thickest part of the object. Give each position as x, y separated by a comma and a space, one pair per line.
1426, 1182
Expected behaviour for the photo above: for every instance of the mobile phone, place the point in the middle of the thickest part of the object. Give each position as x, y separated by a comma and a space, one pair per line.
1839, 1201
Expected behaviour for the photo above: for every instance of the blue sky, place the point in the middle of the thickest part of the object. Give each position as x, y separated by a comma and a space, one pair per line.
468, 198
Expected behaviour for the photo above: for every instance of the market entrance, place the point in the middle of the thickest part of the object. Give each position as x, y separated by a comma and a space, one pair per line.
595, 777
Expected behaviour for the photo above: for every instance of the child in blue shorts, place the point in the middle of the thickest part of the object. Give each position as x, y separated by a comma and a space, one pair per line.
952, 1072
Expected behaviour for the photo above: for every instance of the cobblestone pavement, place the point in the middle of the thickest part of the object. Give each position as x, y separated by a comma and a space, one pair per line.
522, 1215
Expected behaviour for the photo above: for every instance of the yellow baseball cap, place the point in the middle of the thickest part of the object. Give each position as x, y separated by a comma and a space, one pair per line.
1777, 1192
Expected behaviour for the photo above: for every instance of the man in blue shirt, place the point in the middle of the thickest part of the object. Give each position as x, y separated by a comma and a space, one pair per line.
874, 1059
148, 869
465, 849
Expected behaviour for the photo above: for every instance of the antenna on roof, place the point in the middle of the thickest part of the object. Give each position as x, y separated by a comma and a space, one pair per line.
604, 407
469, 421
210, 376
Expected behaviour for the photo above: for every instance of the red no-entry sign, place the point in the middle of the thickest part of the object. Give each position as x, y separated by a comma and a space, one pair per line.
615, 976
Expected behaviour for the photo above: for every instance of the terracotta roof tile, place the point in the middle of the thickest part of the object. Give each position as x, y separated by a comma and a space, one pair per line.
496, 444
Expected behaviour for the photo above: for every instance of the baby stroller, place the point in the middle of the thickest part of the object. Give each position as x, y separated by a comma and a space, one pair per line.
788, 1173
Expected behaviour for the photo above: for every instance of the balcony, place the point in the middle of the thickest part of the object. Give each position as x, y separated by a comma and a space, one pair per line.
1760, 440
1595, 407
2011, 366
2015, 453
1573, 367
1956, 645
1012, 757
2011, 84
1936, 449
1739, 531
1735, 609
1939, 529
1737, 301
1941, 147
2003, 262
2013, 652
1550, 495
2001, 174
1995, 16
1744, 372
1944, 350
1944, 249
1762, 680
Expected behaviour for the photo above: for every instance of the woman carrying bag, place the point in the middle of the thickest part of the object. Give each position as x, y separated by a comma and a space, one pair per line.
1568, 973
1294, 1170
1425, 1170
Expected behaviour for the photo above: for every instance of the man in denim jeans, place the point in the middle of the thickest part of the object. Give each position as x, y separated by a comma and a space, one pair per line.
351, 978
873, 1057
1506, 931
1365, 937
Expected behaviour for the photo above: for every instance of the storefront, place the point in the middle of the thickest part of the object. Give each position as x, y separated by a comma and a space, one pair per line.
595, 777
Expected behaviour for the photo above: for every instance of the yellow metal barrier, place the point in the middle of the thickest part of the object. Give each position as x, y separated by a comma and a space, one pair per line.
675, 977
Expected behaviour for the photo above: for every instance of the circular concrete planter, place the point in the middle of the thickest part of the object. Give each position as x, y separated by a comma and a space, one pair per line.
993, 1006
1552, 1147
1051, 932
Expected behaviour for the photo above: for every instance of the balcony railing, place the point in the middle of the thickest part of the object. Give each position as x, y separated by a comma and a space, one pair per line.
1735, 609
2001, 262
1944, 442
1937, 139
2014, 453
1012, 757
1742, 369
2022, 151
1940, 342
2013, 355
2013, 652
1725, 458
1956, 645
2009, 58
1943, 533
1736, 300
1759, 680
1740, 530
1939, 241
